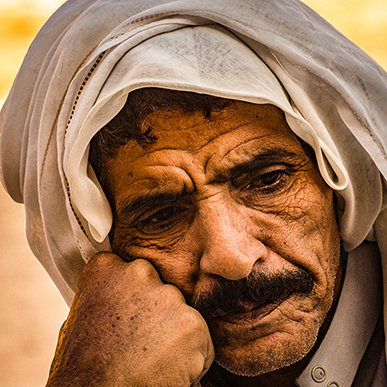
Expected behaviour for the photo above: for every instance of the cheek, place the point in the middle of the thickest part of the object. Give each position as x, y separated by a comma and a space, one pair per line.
304, 231
179, 267
176, 265
321, 231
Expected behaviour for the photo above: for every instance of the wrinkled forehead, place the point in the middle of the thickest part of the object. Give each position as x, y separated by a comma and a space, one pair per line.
206, 147
189, 151
152, 113
220, 127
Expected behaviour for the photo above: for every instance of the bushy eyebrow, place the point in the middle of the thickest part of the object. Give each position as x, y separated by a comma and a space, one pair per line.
139, 202
262, 160
133, 206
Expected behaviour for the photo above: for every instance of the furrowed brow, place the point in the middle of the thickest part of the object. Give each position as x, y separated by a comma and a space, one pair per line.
140, 202
134, 206
262, 160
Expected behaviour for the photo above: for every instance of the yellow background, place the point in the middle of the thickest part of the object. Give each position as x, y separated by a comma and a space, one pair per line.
31, 309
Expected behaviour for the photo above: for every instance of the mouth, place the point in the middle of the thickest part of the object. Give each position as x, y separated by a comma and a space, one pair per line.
249, 315
249, 300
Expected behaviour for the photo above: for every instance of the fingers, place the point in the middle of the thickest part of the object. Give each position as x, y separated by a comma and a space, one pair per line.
136, 325
105, 266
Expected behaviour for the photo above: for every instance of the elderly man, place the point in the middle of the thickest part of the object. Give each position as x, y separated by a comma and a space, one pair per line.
212, 177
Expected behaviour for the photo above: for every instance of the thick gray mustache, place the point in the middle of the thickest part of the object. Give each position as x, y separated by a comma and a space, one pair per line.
258, 289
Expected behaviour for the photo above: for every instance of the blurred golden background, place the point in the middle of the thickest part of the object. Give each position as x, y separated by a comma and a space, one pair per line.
31, 309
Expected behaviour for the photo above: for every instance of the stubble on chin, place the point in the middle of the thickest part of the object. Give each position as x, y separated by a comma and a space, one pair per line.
265, 358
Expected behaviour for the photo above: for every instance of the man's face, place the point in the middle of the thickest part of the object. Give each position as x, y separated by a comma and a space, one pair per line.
214, 201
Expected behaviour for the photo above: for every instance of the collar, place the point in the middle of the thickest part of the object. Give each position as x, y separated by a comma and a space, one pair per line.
336, 361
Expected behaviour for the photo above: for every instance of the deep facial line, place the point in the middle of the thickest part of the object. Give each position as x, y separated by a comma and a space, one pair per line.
265, 158
143, 201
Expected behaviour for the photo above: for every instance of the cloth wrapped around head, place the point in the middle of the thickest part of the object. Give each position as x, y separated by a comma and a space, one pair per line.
91, 54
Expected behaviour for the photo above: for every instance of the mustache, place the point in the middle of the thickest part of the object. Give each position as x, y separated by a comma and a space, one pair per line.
256, 290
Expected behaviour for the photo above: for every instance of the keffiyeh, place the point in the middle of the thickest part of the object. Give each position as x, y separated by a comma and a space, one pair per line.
91, 54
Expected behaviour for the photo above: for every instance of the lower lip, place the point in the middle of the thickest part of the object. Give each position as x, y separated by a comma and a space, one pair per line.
251, 316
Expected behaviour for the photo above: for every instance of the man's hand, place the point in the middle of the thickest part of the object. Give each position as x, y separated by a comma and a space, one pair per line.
127, 328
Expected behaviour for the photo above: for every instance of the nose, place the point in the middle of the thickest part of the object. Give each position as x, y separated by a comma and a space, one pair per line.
229, 249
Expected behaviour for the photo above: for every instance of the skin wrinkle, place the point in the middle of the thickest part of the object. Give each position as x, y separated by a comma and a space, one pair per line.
147, 242
157, 164
281, 211
283, 230
127, 206
226, 154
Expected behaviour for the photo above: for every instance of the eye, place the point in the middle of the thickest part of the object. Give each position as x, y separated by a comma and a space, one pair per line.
266, 180
162, 216
162, 220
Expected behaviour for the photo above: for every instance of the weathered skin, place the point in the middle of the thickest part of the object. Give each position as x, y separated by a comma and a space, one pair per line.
211, 216
124, 327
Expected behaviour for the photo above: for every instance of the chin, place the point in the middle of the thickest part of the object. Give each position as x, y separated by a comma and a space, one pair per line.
268, 354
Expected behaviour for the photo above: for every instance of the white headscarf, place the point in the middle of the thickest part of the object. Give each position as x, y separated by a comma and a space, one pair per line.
91, 54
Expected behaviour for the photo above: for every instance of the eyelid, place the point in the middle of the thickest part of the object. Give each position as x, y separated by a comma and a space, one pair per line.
152, 211
133, 209
134, 218
145, 220
273, 168
248, 176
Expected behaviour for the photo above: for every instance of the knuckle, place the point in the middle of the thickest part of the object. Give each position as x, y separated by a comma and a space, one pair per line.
102, 259
171, 292
143, 269
98, 265
195, 320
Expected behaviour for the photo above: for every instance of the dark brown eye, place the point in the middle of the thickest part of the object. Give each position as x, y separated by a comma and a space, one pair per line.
162, 216
163, 219
267, 179
268, 182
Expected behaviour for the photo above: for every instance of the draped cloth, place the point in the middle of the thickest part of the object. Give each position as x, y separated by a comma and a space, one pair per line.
91, 53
